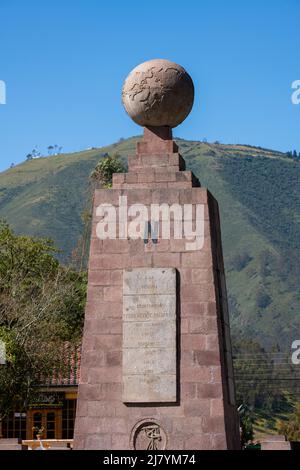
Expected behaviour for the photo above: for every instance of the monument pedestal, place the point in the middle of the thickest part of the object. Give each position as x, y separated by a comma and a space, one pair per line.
156, 370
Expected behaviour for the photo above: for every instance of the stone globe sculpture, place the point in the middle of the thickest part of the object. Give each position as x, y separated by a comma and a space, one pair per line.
158, 93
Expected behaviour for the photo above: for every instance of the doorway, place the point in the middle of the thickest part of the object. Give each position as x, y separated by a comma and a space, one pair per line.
49, 421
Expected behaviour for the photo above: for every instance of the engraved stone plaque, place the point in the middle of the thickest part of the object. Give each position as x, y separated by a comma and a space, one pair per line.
149, 335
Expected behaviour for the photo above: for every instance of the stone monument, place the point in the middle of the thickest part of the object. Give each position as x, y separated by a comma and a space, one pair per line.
156, 370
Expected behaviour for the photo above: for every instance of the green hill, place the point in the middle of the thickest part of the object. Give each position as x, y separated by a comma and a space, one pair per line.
258, 193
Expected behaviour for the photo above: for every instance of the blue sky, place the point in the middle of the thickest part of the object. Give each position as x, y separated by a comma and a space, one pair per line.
64, 63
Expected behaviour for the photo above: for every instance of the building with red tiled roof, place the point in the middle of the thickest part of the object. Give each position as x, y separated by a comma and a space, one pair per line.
54, 407
70, 375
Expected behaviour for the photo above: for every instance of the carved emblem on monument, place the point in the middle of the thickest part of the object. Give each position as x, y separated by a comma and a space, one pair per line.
149, 435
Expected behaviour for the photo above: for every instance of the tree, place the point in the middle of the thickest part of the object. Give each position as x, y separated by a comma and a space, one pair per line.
246, 424
35, 153
291, 428
293, 154
240, 260
106, 167
50, 149
29, 156
262, 299
266, 262
41, 308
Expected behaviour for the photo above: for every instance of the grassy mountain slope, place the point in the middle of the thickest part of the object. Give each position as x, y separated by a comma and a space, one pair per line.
258, 194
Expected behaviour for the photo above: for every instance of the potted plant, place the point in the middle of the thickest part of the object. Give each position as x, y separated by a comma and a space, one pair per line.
38, 432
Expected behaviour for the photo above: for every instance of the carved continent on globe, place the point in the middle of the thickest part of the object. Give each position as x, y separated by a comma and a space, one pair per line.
158, 93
